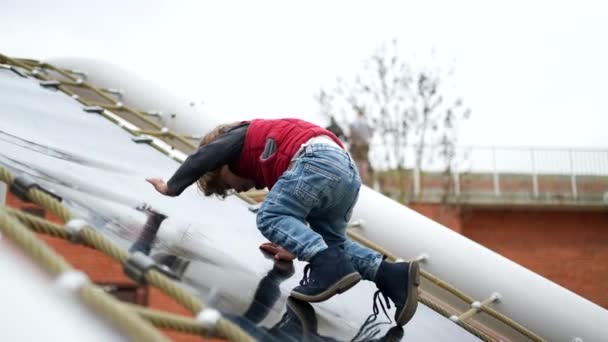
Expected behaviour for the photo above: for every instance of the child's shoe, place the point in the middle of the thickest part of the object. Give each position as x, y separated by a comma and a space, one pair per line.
329, 272
399, 282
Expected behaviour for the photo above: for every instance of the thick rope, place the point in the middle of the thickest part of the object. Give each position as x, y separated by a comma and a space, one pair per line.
159, 318
166, 320
39, 225
36, 249
103, 244
103, 302
224, 327
93, 238
180, 323
176, 292
133, 326
511, 323
6, 176
48, 202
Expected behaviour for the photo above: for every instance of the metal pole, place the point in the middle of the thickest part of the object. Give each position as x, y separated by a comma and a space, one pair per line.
496, 177
457, 183
572, 174
534, 173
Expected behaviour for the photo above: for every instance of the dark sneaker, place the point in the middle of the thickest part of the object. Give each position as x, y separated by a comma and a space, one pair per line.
399, 282
329, 272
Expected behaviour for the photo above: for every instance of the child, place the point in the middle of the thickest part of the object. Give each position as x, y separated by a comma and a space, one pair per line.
311, 179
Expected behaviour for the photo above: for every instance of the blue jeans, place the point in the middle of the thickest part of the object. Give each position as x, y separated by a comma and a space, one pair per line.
320, 188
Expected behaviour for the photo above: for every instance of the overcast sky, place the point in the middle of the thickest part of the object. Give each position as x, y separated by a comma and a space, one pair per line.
534, 73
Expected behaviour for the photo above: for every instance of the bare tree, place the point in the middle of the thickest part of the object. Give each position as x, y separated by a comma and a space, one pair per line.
409, 109
435, 126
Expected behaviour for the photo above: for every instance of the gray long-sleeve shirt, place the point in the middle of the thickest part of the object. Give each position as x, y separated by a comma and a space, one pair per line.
222, 151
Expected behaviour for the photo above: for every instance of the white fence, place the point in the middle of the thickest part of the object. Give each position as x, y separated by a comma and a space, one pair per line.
500, 161
522, 160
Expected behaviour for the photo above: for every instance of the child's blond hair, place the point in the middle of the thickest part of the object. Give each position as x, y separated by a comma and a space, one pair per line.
211, 183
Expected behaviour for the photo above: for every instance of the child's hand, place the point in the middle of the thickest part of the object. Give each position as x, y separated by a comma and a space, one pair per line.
278, 251
159, 185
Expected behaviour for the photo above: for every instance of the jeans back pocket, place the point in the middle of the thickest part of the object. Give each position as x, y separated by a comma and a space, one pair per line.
313, 184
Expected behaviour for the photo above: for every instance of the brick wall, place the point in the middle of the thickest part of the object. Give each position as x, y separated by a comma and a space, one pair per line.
569, 247
448, 216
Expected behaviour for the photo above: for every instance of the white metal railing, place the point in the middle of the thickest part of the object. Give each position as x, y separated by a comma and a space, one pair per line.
535, 162
489, 159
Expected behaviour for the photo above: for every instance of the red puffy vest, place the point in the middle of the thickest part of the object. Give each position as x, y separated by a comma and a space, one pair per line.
288, 135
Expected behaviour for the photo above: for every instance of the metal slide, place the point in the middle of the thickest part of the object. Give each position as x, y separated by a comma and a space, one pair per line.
99, 171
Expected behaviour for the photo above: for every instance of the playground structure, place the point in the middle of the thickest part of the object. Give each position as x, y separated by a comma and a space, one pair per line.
489, 296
